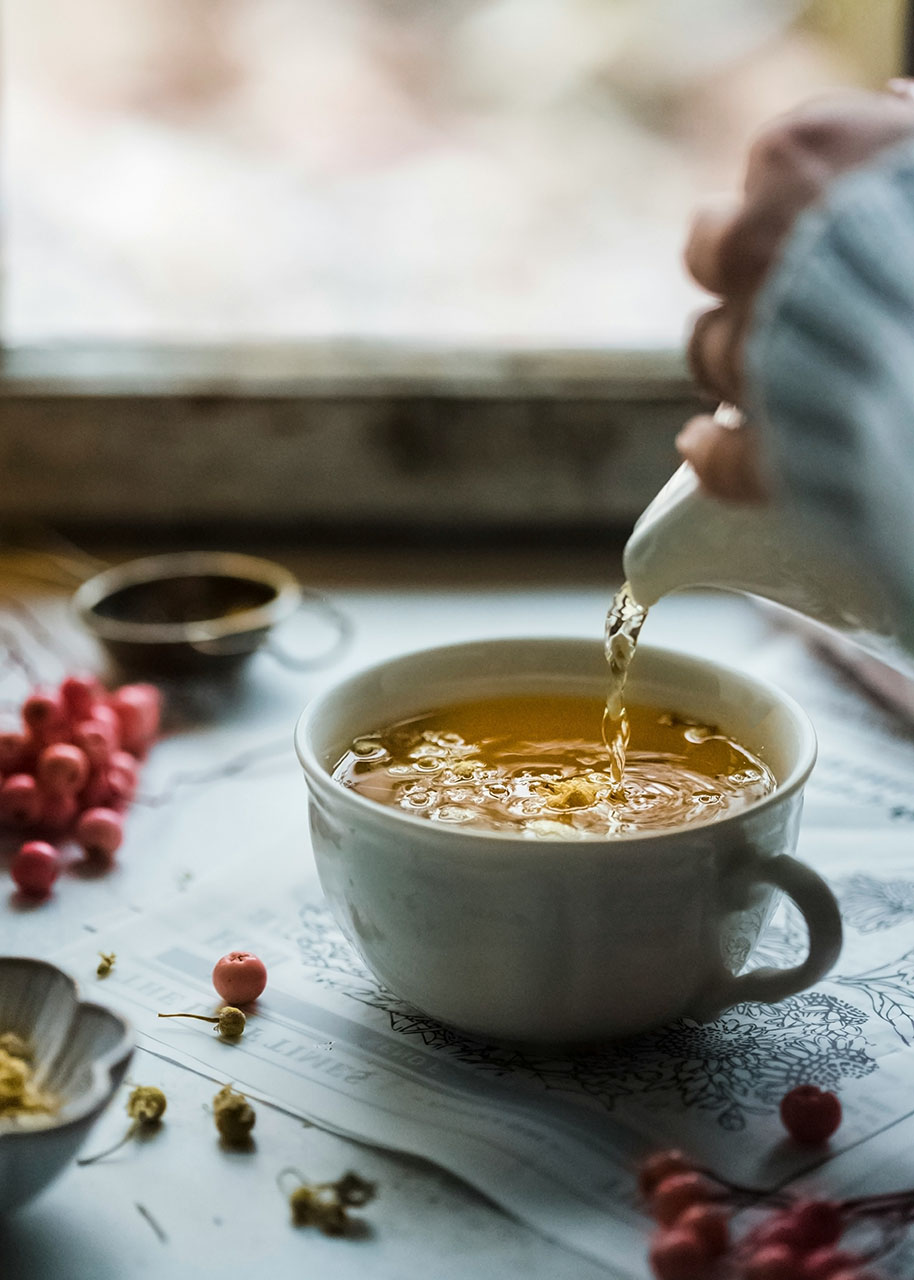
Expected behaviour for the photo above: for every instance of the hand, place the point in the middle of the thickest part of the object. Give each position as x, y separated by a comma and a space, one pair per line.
733, 244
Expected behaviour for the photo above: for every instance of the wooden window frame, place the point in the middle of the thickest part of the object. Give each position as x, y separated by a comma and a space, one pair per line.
339, 437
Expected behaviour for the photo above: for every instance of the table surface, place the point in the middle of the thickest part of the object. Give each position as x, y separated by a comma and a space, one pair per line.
183, 1206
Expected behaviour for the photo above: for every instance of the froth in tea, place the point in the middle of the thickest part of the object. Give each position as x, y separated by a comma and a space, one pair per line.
538, 766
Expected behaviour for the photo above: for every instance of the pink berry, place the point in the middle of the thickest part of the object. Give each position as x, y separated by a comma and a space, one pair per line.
123, 774
810, 1115
678, 1255
780, 1228
710, 1224
138, 708
62, 769
43, 712
817, 1223
59, 811
35, 868
772, 1262
239, 977
675, 1193
826, 1263
807, 1226
79, 694
112, 785
659, 1166
97, 738
12, 751
102, 713
96, 794
100, 832
20, 800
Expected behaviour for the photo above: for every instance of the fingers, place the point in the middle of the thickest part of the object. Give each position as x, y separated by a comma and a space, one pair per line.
710, 225
725, 459
715, 352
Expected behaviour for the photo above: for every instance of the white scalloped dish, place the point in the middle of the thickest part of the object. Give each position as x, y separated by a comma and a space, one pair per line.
80, 1053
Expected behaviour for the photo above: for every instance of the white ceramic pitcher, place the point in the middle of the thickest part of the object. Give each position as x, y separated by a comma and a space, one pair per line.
686, 538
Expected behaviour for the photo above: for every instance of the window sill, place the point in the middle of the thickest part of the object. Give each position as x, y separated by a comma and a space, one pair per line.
338, 436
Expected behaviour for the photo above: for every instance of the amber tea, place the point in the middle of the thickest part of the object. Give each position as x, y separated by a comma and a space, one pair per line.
538, 766
623, 626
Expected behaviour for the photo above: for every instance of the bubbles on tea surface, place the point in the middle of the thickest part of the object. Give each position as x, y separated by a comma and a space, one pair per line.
453, 813
417, 799
553, 782
745, 777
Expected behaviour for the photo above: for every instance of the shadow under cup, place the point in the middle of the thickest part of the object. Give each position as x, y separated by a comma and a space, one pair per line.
554, 942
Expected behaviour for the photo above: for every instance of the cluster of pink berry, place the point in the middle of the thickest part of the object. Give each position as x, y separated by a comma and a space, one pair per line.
797, 1239
70, 770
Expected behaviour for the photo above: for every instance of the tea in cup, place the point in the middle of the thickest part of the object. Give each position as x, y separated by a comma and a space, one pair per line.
566, 934
538, 766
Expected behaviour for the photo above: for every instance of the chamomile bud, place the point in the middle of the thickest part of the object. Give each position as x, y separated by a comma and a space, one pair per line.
354, 1190
324, 1204
146, 1104
230, 1022
318, 1206
15, 1046
234, 1116
145, 1107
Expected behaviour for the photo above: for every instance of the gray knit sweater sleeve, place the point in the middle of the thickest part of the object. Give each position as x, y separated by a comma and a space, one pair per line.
830, 368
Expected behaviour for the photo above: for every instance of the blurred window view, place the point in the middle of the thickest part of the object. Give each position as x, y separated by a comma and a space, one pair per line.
486, 172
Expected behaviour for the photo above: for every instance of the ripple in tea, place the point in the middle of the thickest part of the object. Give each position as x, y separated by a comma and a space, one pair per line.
538, 766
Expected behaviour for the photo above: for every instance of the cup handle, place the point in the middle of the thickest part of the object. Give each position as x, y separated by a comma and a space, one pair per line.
819, 909
338, 621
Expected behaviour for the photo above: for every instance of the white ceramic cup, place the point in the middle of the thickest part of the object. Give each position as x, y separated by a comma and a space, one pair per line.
550, 941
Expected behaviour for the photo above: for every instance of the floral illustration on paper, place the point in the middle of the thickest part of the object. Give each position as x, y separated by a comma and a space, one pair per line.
889, 988
869, 905
733, 1068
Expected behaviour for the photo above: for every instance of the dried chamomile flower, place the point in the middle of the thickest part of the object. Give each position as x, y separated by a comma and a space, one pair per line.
318, 1207
569, 793
15, 1046
145, 1107
105, 964
20, 1097
230, 1022
146, 1104
324, 1204
234, 1116
354, 1190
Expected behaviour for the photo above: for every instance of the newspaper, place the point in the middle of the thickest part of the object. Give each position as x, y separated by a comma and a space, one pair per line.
552, 1138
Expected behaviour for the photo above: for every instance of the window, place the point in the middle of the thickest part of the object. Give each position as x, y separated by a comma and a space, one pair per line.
449, 228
